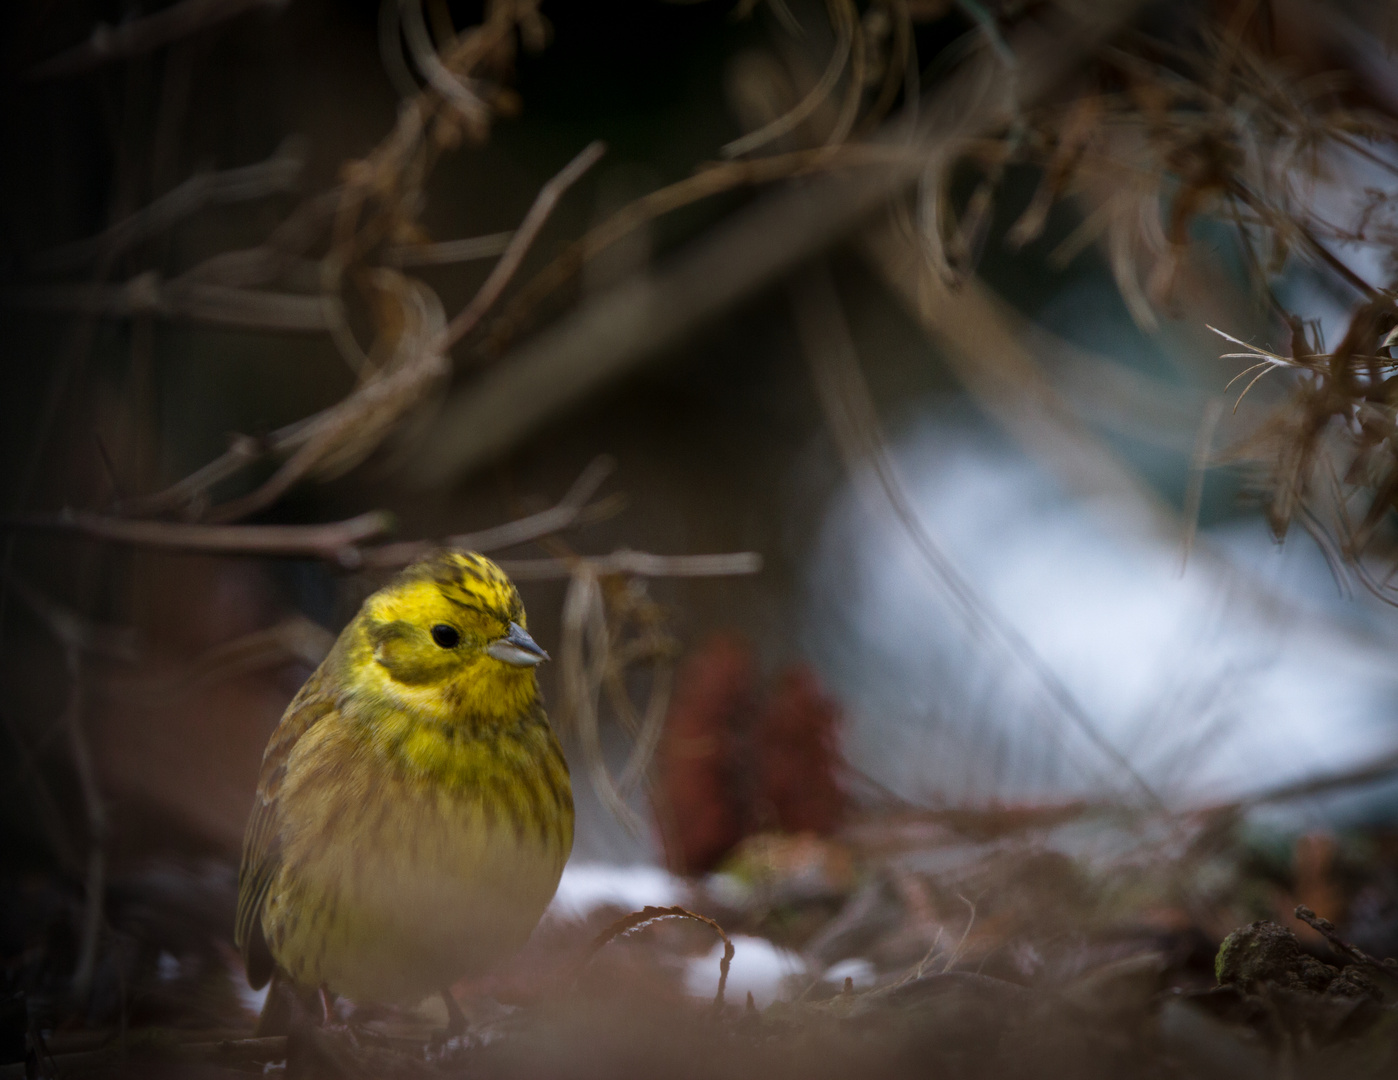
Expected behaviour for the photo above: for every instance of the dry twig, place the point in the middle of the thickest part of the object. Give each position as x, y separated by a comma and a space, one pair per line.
637, 920
146, 34
338, 542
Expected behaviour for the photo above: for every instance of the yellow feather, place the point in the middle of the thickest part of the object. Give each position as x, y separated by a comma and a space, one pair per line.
414, 810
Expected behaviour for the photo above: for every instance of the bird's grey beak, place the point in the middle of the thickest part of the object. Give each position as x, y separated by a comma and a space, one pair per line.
517, 648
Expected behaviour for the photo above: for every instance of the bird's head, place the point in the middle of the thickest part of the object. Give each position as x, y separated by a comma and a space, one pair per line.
448, 636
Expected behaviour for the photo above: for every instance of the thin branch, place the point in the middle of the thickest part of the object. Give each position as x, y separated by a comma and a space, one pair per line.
844, 27
143, 35
1326, 929
294, 638
279, 173
343, 435
955, 953
72, 630
638, 563
572, 508
45, 805
519, 243
458, 91
1198, 467
652, 725
391, 51
709, 181
858, 74
145, 294
338, 542
583, 662
379, 401
95, 807
242, 451
223, 1054
450, 251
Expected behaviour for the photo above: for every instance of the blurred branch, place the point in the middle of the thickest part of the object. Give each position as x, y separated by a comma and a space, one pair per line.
519, 243
606, 628
78, 636
281, 252
180, 298
338, 542
143, 35
44, 805
854, 423
583, 661
992, 350
1379, 770
352, 428
294, 638
342, 542
843, 20
95, 807
72, 630
193, 489
391, 51
278, 173
570, 510
449, 251
709, 181
456, 89
340, 437
639, 563
619, 329
1326, 929
223, 1054
978, 332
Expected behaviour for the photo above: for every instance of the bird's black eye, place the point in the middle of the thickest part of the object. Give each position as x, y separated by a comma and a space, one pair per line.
446, 636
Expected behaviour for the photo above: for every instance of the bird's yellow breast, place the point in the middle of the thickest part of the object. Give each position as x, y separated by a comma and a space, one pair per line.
414, 852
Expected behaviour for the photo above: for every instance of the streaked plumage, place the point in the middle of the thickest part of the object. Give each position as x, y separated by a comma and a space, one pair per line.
413, 813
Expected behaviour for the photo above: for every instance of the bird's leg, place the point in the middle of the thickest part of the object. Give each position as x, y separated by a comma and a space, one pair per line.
351, 1028
456, 1019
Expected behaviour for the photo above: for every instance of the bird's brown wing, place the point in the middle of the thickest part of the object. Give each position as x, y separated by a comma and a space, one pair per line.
262, 841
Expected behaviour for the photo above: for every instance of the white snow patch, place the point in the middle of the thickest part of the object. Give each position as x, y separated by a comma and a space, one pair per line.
1214, 682
250, 999
585, 887
758, 969
856, 968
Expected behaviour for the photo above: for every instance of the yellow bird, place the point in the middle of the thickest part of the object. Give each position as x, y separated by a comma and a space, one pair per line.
413, 812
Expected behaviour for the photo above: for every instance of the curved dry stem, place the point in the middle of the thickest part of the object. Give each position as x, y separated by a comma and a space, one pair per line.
454, 88
391, 51
843, 20
519, 243
637, 920
572, 509
858, 72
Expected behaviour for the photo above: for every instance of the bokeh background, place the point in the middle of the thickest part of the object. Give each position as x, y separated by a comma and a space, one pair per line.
1023, 611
